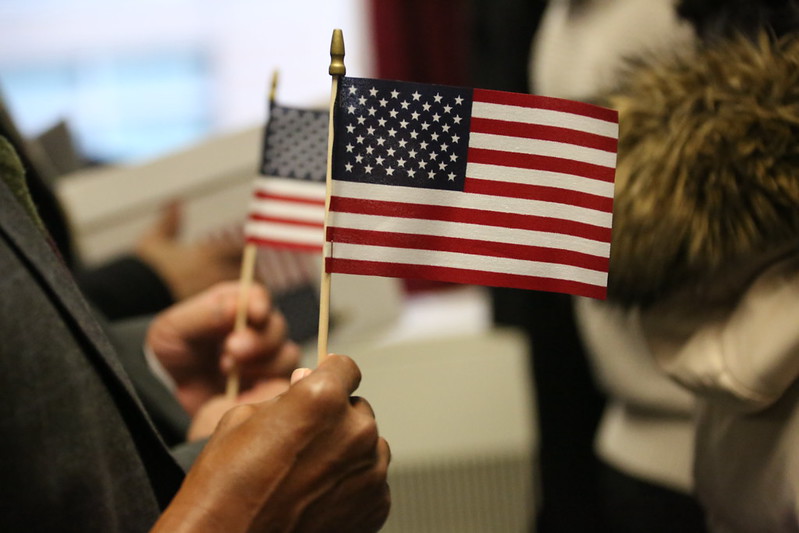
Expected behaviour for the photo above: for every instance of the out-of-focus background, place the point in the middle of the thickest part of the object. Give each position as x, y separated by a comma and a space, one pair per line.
137, 80
132, 104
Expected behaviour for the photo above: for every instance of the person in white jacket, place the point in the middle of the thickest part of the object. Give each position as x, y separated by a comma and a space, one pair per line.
706, 248
644, 440
743, 361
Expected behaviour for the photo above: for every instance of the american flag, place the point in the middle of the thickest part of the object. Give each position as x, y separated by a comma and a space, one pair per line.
288, 206
471, 186
286, 218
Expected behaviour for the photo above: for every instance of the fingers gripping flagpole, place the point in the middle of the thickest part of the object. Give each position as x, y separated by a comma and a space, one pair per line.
336, 70
246, 279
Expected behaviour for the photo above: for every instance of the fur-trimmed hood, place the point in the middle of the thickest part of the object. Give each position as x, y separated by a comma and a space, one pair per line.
707, 185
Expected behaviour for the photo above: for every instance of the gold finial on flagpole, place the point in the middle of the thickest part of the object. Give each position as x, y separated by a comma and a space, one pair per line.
336, 70
273, 86
337, 67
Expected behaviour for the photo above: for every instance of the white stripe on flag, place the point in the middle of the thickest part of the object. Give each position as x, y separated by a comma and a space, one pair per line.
521, 145
545, 117
288, 233
460, 230
467, 262
433, 197
541, 178
289, 210
291, 187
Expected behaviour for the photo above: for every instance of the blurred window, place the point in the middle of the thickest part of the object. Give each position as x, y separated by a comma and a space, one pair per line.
121, 108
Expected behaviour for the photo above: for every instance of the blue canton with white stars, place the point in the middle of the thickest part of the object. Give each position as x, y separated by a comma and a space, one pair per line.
295, 144
400, 133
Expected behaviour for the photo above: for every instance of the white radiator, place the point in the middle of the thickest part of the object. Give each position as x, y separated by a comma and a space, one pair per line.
458, 414
489, 494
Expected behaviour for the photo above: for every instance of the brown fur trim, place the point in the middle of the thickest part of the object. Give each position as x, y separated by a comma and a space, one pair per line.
708, 168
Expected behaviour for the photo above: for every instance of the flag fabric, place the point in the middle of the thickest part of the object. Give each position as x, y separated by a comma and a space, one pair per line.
281, 269
288, 205
286, 216
285, 269
471, 186
290, 275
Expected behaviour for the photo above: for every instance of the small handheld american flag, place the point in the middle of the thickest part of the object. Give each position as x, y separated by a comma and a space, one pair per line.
288, 206
287, 210
471, 186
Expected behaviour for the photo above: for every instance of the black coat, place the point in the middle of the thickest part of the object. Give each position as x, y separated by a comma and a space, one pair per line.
78, 452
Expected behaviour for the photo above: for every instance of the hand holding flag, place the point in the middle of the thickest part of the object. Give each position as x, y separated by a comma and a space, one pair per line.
441, 183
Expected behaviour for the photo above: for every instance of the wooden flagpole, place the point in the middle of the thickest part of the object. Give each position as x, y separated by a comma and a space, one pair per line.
336, 70
246, 279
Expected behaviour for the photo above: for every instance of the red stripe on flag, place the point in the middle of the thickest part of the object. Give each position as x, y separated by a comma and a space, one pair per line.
540, 162
457, 275
263, 195
538, 192
545, 102
469, 216
278, 220
467, 246
290, 245
542, 132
